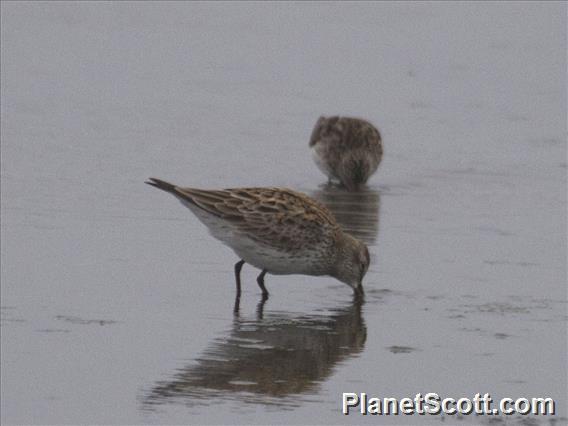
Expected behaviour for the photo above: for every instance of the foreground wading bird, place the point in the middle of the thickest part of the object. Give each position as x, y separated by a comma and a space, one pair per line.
277, 230
346, 149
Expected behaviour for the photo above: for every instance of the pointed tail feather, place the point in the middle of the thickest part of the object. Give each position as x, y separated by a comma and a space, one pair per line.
205, 200
163, 185
180, 193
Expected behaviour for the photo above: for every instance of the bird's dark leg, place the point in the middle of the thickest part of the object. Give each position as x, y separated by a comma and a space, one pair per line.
260, 307
238, 267
260, 281
237, 306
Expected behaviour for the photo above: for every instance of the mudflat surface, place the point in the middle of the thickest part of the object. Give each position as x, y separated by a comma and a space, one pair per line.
117, 306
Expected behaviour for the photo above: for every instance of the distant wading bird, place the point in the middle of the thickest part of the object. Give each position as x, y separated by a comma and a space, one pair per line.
346, 149
278, 231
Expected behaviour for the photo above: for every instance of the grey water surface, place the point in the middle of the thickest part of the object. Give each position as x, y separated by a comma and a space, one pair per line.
117, 307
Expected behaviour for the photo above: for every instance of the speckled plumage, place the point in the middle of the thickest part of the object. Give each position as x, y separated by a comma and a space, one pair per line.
277, 230
346, 149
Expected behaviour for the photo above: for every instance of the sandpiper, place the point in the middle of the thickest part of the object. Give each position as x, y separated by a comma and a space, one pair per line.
277, 230
346, 149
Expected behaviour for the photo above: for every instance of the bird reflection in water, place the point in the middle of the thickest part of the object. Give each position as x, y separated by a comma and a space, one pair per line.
272, 358
356, 212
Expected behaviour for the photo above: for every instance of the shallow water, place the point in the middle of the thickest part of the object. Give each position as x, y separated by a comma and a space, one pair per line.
118, 307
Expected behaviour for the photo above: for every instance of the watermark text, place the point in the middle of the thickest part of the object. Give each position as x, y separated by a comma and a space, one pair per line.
431, 403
